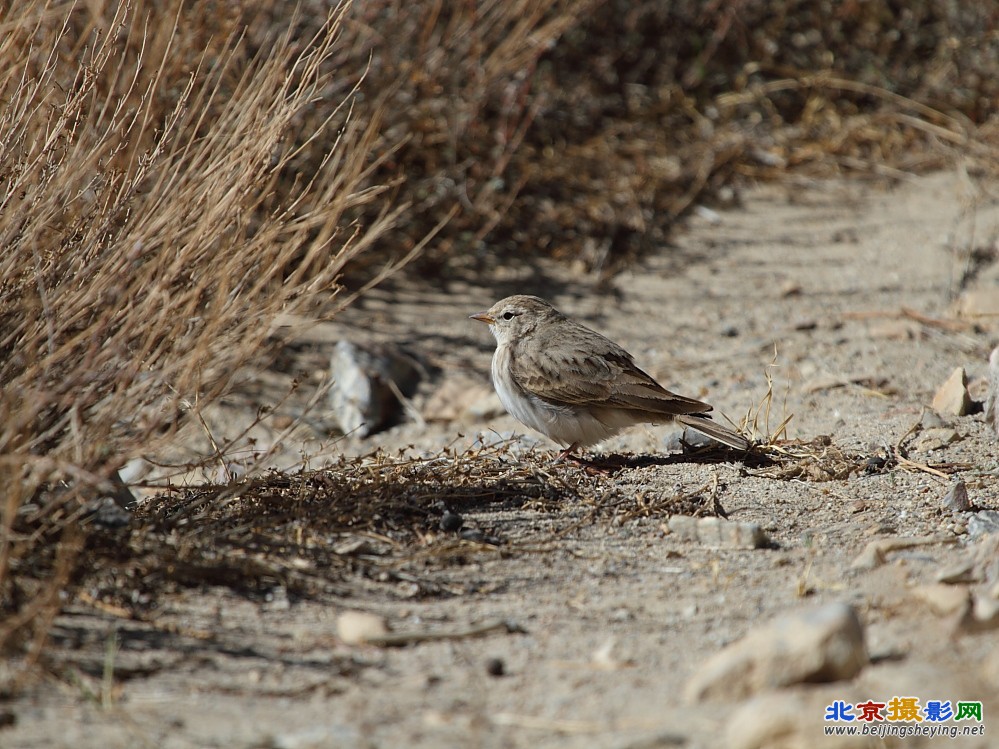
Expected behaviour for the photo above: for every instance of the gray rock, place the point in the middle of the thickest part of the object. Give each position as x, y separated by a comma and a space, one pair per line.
936, 438
367, 383
816, 645
932, 420
983, 522
719, 533
956, 498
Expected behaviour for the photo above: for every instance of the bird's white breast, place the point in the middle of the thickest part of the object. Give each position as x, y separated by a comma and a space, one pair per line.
565, 424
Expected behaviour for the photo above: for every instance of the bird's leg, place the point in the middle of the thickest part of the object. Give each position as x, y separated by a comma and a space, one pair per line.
592, 468
567, 453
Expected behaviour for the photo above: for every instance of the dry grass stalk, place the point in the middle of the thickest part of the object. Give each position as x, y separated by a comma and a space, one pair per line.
146, 248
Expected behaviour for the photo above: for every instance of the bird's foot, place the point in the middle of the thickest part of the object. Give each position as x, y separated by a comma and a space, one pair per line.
590, 466
567, 454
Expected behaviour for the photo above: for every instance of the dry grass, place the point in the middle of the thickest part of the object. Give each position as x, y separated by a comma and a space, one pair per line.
377, 525
593, 147
356, 525
146, 248
584, 129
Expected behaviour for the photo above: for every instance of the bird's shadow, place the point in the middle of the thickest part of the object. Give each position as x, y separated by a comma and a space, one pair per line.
617, 462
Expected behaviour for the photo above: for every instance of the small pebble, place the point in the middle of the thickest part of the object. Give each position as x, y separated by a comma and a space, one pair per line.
875, 464
495, 667
718, 532
358, 627
451, 522
932, 420
790, 288
957, 498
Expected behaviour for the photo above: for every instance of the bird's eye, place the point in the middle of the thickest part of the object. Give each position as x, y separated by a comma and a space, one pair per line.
508, 315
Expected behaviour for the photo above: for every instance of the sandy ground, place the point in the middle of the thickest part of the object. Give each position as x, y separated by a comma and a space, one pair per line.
809, 282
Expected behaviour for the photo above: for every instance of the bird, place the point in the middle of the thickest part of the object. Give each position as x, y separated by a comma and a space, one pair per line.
577, 387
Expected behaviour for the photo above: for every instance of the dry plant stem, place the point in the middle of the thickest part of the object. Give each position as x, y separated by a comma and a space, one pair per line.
912, 465
146, 246
46, 604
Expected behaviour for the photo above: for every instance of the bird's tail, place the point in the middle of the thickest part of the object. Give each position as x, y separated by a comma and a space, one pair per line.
714, 430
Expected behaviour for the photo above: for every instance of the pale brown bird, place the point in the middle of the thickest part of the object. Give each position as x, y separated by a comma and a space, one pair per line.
575, 386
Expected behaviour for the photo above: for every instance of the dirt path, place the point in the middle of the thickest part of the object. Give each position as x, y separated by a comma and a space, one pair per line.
618, 614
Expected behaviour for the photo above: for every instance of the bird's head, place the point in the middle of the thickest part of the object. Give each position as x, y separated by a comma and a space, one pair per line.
512, 318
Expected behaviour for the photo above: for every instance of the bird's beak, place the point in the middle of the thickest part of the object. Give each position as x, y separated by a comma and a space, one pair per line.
483, 317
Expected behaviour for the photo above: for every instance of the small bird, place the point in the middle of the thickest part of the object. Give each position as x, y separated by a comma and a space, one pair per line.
575, 386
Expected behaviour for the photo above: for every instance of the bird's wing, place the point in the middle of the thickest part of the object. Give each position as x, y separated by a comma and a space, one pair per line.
597, 372
633, 388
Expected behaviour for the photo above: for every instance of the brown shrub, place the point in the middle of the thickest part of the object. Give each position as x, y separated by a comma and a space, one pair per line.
146, 248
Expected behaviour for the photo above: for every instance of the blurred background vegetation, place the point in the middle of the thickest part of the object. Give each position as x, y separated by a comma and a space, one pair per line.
173, 175
582, 130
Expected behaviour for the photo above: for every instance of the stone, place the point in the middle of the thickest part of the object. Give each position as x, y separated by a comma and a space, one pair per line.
495, 667
788, 720
930, 419
956, 498
953, 398
359, 627
875, 553
956, 574
983, 523
815, 645
942, 599
790, 288
935, 438
367, 384
719, 533
986, 559
451, 522
992, 397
